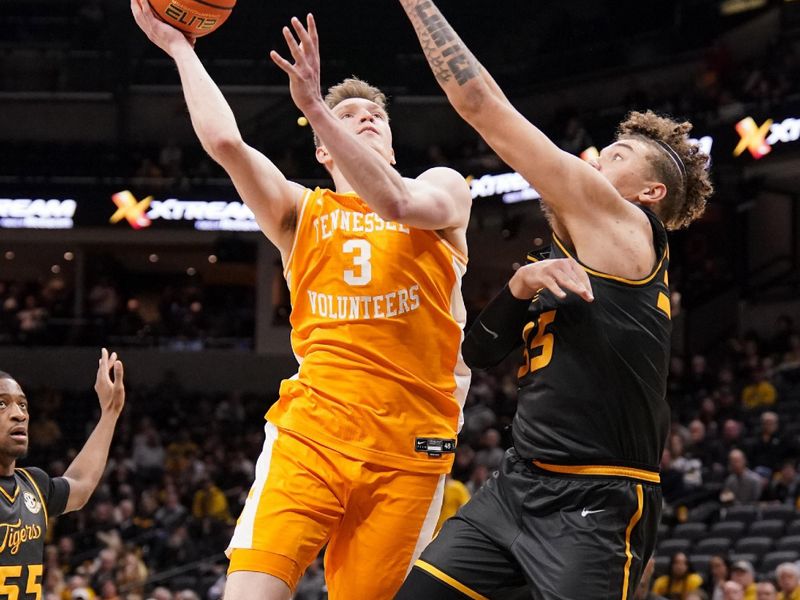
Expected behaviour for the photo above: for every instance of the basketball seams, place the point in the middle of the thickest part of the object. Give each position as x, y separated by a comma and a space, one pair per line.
193, 17
211, 5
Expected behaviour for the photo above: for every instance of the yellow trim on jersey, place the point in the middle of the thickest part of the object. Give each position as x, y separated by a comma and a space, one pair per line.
644, 281
664, 304
601, 470
300, 212
634, 520
449, 580
38, 491
10, 498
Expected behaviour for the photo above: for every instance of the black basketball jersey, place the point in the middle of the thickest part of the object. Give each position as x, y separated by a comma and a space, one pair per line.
593, 381
27, 499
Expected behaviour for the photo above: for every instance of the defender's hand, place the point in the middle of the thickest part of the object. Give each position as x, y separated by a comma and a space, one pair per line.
110, 393
556, 275
304, 78
166, 37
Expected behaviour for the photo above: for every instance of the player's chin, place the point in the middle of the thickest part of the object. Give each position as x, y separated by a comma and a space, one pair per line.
16, 448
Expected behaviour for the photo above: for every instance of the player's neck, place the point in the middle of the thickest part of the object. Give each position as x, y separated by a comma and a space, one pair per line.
340, 183
7, 466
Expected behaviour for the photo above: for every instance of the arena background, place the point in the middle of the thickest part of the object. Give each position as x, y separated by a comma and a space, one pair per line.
92, 118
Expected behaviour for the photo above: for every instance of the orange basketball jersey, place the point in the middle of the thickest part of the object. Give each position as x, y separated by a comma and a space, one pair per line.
377, 319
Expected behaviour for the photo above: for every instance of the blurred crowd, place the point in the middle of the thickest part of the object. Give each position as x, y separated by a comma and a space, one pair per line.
179, 316
181, 465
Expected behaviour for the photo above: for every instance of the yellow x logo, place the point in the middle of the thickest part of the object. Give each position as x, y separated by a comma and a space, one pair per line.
754, 138
131, 209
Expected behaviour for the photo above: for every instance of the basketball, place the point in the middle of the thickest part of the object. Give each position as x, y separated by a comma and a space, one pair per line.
195, 17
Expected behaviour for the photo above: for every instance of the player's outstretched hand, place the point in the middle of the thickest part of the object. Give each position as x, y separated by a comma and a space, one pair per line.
111, 393
304, 77
556, 275
162, 35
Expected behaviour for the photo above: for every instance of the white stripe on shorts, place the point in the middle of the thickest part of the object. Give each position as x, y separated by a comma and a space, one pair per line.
426, 532
243, 534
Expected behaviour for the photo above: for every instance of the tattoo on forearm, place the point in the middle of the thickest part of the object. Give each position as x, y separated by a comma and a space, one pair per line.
445, 52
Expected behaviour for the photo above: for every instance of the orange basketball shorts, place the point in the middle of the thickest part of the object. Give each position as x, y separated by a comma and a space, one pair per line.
376, 520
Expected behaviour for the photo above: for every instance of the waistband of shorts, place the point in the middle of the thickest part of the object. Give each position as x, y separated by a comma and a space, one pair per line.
626, 472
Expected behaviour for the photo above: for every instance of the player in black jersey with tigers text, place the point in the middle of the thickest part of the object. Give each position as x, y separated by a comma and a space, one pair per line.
574, 509
29, 497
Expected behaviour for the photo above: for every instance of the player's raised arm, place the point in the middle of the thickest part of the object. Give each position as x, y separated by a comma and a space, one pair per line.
85, 471
438, 199
262, 186
583, 201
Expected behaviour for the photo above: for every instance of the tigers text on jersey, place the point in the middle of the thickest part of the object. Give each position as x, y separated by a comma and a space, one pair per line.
593, 381
377, 319
23, 526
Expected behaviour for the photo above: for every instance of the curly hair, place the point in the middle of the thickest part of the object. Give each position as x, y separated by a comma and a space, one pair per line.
677, 162
352, 87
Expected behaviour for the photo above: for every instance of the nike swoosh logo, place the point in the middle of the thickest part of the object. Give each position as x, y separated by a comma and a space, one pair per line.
585, 512
489, 331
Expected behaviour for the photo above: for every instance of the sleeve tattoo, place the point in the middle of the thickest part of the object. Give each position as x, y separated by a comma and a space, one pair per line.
447, 55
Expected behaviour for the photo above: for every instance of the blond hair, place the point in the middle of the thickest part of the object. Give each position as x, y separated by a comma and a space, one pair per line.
352, 87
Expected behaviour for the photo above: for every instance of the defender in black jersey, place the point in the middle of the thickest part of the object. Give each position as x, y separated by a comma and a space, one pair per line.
29, 497
574, 509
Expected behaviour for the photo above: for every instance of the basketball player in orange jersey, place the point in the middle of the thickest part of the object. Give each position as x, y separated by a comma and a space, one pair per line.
359, 442
574, 509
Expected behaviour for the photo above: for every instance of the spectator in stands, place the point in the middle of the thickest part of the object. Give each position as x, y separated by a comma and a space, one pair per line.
32, 321
719, 571
759, 392
743, 573
788, 576
792, 357
728, 410
148, 455
697, 594
132, 573
679, 581
172, 513
765, 590
742, 486
103, 300
673, 488
784, 486
730, 438
210, 504
490, 453
78, 589
160, 593
104, 568
131, 324
700, 379
732, 591
698, 445
770, 448
690, 468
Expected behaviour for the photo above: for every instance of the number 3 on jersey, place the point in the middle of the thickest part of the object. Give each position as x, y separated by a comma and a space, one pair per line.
362, 252
536, 336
